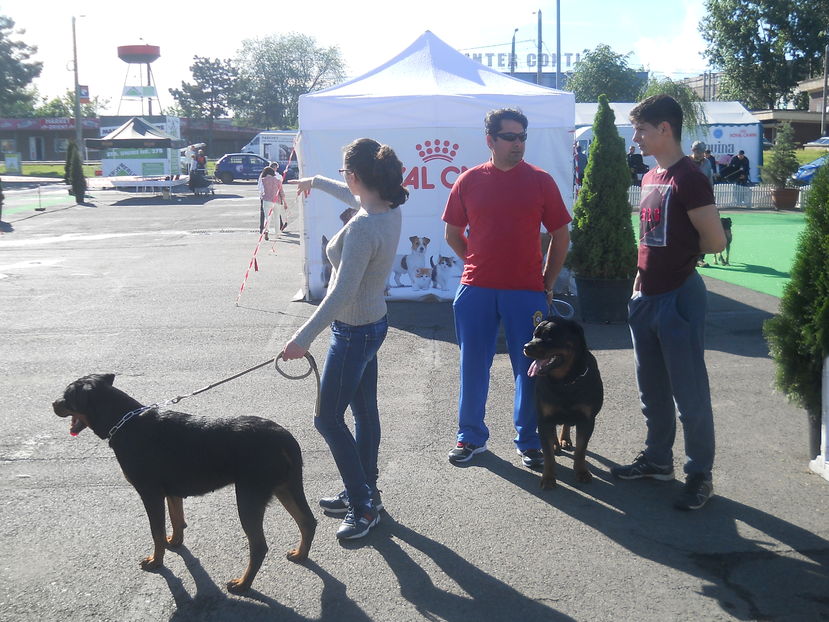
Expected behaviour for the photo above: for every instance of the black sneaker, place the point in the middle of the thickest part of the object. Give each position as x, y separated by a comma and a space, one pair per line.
696, 492
463, 452
338, 504
532, 458
642, 467
357, 523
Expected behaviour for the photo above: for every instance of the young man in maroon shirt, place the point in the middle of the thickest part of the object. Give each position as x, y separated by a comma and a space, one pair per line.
678, 222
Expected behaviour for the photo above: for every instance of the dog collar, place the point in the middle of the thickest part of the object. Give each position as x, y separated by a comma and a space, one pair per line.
126, 418
581, 375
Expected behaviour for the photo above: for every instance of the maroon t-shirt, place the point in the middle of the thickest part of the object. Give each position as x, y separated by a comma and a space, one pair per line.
668, 242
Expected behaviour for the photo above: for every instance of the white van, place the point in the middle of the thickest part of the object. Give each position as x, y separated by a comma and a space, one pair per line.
274, 146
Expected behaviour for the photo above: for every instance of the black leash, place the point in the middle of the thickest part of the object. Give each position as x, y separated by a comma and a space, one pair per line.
312, 367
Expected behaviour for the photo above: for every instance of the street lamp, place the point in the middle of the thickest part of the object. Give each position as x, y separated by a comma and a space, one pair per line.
512, 55
78, 122
538, 74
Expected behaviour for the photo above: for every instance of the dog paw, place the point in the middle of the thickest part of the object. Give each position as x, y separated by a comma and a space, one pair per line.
237, 586
566, 444
548, 483
584, 477
150, 563
175, 541
295, 555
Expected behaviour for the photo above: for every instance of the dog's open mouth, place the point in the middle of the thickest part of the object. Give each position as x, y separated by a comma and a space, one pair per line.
539, 367
77, 425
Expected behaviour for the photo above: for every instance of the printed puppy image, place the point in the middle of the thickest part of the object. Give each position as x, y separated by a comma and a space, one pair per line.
409, 263
325, 275
443, 271
172, 455
568, 391
423, 279
722, 258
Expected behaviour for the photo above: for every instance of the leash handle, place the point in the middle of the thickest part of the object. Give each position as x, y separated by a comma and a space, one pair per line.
565, 310
312, 367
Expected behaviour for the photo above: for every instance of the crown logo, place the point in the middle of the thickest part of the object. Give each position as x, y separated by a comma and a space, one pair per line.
437, 149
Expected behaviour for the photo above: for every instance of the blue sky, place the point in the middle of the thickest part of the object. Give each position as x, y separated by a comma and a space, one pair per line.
662, 37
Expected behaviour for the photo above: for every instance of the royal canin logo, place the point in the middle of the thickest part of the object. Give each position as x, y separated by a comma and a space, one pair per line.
417, 177
437, 150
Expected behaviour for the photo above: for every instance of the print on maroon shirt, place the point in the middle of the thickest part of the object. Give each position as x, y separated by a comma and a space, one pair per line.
653, 214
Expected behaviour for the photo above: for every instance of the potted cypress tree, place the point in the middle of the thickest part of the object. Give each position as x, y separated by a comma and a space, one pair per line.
76, 178
798, 336
781, 165
67, 167
603, 250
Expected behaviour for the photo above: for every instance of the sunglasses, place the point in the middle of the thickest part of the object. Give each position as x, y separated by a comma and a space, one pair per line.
343, 171
511, 137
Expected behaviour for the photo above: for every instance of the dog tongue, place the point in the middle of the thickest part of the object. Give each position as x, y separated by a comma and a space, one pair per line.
534, 368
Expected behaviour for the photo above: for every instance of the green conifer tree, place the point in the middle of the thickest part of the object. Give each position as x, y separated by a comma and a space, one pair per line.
798, 336
67, 168
603, 243
77, 178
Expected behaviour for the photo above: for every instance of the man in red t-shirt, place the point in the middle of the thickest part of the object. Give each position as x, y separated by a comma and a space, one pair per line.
493, 220
678, 222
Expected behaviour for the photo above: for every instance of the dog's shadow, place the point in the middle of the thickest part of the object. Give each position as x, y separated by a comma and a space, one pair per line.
212, 601
639, 517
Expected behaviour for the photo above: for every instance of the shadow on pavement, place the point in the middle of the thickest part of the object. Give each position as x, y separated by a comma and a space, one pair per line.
485, 598
638, 516
212, 602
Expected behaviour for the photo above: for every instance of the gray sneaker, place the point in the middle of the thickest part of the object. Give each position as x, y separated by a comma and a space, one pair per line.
358, 522
642, 467
696, 492
463, 452
338, 504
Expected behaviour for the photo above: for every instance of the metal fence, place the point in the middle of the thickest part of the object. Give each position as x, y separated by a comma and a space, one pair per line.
732, 195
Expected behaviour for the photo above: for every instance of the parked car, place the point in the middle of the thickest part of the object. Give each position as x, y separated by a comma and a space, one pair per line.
233, 166
822, 142
805, 173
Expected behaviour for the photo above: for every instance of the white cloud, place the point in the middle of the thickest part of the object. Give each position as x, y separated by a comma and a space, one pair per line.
676, 52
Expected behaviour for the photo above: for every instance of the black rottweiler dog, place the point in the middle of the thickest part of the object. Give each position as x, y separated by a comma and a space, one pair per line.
568, 391
723, 258
174, 455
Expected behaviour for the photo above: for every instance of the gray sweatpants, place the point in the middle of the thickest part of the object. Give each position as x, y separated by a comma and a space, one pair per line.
668, 344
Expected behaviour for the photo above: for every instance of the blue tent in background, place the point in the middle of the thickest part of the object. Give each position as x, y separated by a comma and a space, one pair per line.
805, 173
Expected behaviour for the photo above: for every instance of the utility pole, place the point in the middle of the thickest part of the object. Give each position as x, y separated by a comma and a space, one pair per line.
558, 40
538, 65
78, 122
512, 55
823, 107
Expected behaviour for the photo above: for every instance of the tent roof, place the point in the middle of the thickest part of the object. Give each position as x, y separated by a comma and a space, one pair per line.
717, 113
430, 84
134, 133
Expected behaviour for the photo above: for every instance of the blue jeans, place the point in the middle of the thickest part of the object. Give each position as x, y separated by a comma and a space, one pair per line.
668, 332
349, 378
478, 312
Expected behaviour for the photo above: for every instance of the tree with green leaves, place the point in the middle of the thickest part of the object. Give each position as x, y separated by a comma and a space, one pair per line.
764, 47
214, 88
275, 70
798, 336
604, 72
71, 148
65, 106
76, 177
782, 162
17, 70
603, 243
693, 114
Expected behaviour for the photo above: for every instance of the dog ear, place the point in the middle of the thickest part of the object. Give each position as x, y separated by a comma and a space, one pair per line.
413, 239
426, 240
108, 378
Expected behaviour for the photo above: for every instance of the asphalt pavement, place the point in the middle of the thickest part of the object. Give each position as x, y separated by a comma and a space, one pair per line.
147, 288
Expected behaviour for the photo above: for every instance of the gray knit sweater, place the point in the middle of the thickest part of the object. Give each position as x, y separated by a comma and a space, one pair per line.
361, 256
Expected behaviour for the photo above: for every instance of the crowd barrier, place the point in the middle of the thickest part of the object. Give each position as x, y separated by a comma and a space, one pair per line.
732, 195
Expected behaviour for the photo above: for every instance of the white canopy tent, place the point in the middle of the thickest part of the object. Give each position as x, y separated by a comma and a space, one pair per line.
428, 103
730, 128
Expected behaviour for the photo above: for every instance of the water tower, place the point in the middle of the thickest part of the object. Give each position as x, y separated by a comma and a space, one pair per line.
136, 56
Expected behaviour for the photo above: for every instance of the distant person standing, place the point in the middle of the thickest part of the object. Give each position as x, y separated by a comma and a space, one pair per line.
201, 162
270, 193
581, 164
713, 162
636, 164
493, 218
678, 222
698, 156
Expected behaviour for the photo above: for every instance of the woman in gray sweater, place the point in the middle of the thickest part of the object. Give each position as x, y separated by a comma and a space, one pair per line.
361, 256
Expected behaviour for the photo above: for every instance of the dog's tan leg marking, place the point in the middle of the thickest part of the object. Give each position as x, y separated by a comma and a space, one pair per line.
154, 505
565, 441
297, 507
583, 433
175, 506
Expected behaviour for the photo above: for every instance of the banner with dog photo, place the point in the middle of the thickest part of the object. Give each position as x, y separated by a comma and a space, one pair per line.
433, 119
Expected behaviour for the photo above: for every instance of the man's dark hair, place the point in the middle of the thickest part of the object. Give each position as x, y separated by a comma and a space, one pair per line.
493, 119
658, 108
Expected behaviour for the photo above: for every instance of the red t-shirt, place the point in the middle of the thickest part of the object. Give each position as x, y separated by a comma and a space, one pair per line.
504, 211
668, 242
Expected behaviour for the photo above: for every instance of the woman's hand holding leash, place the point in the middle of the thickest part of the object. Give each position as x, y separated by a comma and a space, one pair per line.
293, 350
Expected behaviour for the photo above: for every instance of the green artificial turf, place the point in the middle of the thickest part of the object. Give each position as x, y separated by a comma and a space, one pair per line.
762, 251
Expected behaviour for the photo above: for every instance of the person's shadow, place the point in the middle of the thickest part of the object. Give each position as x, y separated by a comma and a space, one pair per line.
211, 601
747, 577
